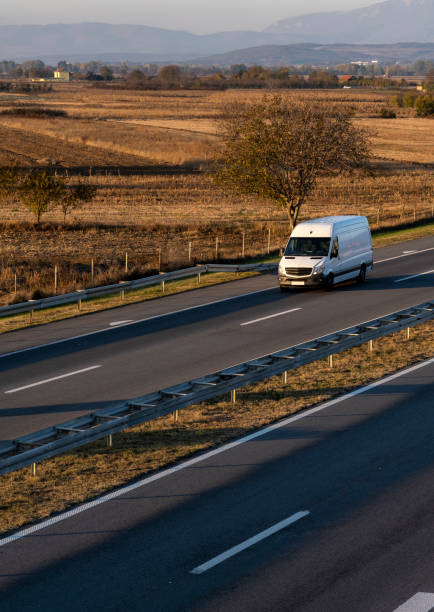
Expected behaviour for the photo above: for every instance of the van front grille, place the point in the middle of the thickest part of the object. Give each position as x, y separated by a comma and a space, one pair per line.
298, 271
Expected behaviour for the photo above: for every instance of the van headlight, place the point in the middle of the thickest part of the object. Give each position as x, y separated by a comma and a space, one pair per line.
319, 268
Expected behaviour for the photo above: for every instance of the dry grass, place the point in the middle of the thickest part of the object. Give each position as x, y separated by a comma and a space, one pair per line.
78, 476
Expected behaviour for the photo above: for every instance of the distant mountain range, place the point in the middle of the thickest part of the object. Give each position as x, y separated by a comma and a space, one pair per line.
320, 55
386, 22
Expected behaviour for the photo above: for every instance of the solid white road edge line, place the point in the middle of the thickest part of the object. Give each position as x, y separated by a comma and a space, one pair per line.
48, 380
403, 255
186, 464
278, 314
159, 316
421, 602
231, 552
401, 280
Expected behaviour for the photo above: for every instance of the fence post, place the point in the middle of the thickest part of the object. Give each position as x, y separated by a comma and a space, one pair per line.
233, 396
15, 283
189, 252
407, 333
370, 346
126, 262
163, 286
216, 247
198, 278
55, 279
91, 272
79, 305
243, 247
285, 377
175, 416
109, 441
33, 469
159, 259
269, 240
330, 361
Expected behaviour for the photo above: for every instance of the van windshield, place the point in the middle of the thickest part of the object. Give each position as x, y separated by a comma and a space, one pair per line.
309, 247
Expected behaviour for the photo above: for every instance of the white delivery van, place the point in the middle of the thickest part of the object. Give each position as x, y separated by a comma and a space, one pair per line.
327, 251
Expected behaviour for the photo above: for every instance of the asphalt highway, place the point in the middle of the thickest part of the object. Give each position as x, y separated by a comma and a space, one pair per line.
85, 363
329, 511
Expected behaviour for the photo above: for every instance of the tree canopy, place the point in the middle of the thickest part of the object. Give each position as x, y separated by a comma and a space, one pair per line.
277, 148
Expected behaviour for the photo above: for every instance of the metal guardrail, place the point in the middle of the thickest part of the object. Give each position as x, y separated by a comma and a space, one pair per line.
140, 283
71, 434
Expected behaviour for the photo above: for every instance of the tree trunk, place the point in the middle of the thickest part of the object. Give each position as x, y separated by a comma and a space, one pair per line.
293, 210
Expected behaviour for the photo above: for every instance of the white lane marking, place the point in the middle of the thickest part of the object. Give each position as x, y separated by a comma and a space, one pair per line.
278, 314
401, 280
421, 602
404, 255
48, 380
207, 455
200, 569
159, 316
116, 323
409, 252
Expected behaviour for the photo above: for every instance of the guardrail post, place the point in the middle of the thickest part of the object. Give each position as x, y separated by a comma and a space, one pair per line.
109, 441
126, 262
371, 346
15, 283
233, 396
243, 250
122, 294
269, 240
163, 286
55, 280
285, 377
216, 248
175, 416
189, 252
330, 361
79, 305
407, 333
31, 315
33, 469
198, 278
91, 272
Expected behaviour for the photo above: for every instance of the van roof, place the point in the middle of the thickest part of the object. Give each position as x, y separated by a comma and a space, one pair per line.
326, 225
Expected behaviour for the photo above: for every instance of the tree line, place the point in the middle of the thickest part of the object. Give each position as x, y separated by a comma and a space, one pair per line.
41, 191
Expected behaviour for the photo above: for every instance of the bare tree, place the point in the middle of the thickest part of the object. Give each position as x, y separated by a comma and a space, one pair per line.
73, 196
277, 149
40, 190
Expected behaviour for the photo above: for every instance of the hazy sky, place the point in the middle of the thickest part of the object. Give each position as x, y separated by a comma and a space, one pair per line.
199, 16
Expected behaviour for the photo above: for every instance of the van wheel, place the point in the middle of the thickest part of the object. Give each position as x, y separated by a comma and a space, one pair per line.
362, 275
330, 282
284, 289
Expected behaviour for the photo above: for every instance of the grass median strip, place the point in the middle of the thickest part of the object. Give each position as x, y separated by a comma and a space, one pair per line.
92, 470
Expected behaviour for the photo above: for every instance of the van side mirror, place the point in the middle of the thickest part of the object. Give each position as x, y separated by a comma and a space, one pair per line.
334, 253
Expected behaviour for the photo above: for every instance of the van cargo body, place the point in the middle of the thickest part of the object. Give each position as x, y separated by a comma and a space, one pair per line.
327, 251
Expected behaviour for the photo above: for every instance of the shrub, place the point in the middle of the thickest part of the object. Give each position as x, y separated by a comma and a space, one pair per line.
34, 112
424, 106
386, 113
408, 100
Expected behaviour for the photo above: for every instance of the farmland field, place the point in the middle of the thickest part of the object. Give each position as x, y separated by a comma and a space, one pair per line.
148, 154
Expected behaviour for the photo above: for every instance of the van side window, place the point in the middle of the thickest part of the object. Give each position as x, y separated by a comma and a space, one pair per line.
335, 248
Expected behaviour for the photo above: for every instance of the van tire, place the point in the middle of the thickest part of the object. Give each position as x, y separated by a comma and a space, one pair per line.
330, 282
284, 288
362, 275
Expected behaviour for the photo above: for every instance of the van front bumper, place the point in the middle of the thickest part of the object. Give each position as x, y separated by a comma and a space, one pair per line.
314, 280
